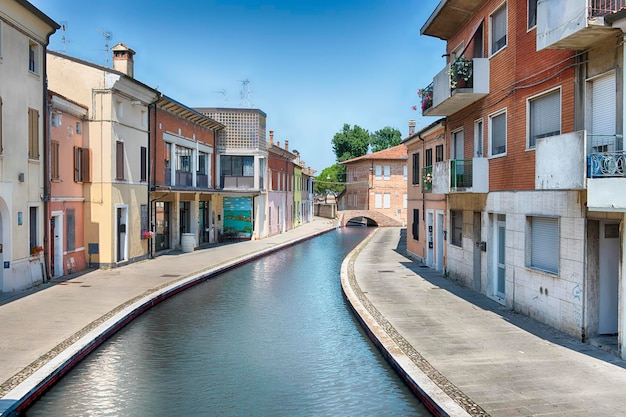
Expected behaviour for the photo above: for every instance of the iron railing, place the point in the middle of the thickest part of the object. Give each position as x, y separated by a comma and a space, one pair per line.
606, 164
460, 173
604, 7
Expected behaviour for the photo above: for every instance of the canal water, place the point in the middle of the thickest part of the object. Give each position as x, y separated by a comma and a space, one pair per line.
273, 337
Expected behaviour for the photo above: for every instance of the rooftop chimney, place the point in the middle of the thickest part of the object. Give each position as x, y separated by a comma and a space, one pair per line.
123, 60
286, 144
411, 127
271, 137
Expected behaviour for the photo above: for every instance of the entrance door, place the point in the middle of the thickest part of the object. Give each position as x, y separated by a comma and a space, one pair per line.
609, 278
439, 241
56, 256
121, 214
430, 244
477, 255
184, 219
499, 245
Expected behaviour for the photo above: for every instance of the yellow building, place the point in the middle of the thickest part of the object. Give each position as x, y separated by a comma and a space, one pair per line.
116, 185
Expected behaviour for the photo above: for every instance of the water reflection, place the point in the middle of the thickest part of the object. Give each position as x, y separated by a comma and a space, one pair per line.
271, 338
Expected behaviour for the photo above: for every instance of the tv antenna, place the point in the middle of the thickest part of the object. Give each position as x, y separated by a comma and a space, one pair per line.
64, 41
107, 38
245, 93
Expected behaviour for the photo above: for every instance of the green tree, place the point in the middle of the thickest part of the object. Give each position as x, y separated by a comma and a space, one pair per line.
330, 180
351, 142
385, 138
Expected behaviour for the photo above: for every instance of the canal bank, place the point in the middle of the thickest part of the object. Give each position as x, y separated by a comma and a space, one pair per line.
467, 355
48, 329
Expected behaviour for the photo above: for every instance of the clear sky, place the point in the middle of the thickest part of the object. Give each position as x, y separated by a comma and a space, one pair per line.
311, 65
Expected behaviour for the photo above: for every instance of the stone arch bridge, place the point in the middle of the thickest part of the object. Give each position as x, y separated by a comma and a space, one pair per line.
379, 219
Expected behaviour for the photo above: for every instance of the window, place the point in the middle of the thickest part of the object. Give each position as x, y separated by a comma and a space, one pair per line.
497, 134
56, 119
544, 244
33, 57
479, 47
144, 164
378, 201
119, 160
34, 241
378, 172
79, 128
429, 157
456, 227
203, 159
54, 160
438, 153
416, 169
544, 117
82, 170
183, 159
387, 172
532, 14
387, 200
70, 229
416, 223
498, 29
478, 138
405, 172
33, 134
238, 166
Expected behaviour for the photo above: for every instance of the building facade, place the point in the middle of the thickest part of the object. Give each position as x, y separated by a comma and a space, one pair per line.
426, 210
279, 188
186, 208
377, 182
116, 193
69, 163
242, 165
24, 36
533, 99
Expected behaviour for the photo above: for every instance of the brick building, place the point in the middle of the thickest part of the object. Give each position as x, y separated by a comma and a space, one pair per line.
533, 102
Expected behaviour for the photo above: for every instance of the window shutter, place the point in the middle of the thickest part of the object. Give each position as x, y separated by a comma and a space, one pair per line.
545, 244
144, 167
76, 164
415, 225
85, 166
603, 111
1, 125
545, 117
119, 160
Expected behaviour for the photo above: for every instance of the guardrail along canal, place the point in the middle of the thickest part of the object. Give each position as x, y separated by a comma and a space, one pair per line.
273, 337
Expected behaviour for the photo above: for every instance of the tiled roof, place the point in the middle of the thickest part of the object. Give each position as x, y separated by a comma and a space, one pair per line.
396, 152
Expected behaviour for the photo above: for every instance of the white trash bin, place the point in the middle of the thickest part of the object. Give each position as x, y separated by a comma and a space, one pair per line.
188, 242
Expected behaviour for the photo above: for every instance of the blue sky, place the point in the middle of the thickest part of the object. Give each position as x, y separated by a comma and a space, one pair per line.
311, 66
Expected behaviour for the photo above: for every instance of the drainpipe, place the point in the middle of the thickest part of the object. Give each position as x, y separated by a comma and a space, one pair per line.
151, 137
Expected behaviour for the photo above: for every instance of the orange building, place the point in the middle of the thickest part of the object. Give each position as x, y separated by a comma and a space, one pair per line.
69, 170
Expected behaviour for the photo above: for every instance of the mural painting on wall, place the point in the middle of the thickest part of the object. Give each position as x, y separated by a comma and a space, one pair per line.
238, 216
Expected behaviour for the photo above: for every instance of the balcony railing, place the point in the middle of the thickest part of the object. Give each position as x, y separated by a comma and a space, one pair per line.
461, 174
427, 179
606, 157
183, 178
238, 182
202, 181
574, 24
452, 93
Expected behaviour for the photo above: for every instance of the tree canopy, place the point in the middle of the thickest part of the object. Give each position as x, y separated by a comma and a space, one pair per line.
351, 142
331, 180
385, 138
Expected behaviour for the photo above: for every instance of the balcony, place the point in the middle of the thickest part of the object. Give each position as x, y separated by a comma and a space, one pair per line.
451, 93
575, 24
461, 175
237, 182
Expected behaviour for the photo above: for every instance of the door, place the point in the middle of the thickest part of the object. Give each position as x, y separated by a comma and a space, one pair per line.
439, 241
184, 219
56, 256
499, 243
477, 252
121, 214
609, 278
458, 153
430, 244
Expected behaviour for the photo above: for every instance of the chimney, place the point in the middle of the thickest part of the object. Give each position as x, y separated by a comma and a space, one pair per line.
123, 60
411, 127
271, 137
286, 144
278, 144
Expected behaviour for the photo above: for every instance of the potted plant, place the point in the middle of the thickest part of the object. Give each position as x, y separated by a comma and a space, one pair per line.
426, 95
147, 234
460, 72
36, 250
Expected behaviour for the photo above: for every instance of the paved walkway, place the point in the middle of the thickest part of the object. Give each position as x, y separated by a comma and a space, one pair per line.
44, 329
469, 354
